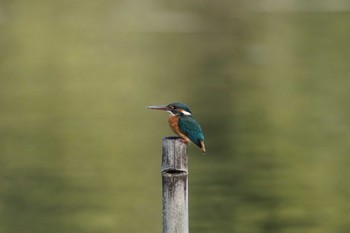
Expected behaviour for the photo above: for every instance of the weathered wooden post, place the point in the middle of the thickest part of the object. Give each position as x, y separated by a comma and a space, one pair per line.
174, 186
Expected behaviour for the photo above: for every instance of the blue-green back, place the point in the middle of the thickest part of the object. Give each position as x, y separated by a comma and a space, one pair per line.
189, 126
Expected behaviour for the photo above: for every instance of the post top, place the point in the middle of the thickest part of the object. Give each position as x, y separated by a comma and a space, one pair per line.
174, 156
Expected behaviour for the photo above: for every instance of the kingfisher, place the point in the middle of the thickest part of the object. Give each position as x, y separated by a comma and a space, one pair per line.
183, 123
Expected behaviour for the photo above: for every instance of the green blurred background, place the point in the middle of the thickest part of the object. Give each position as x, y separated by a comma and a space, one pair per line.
267, 80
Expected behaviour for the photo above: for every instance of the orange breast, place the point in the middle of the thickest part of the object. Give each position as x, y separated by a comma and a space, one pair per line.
174, 125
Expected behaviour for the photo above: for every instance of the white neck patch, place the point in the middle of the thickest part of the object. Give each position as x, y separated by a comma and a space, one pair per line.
186, 113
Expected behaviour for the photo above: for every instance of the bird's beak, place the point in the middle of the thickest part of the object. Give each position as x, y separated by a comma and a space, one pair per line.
163, 108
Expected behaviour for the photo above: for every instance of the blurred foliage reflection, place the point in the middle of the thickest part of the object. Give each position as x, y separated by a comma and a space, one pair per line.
268, 83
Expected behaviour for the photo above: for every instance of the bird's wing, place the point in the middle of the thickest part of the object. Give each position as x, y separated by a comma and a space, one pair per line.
189, 126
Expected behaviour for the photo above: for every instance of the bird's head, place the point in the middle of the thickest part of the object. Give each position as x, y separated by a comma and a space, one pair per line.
174, 108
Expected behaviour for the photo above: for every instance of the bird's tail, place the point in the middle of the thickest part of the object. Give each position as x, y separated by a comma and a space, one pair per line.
202, 147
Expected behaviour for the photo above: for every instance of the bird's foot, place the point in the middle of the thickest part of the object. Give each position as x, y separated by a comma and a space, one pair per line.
183, 140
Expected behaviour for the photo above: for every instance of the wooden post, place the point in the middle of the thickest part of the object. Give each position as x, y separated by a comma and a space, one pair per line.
175, 186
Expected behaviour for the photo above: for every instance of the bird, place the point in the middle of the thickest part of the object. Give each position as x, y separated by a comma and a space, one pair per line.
182, 122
